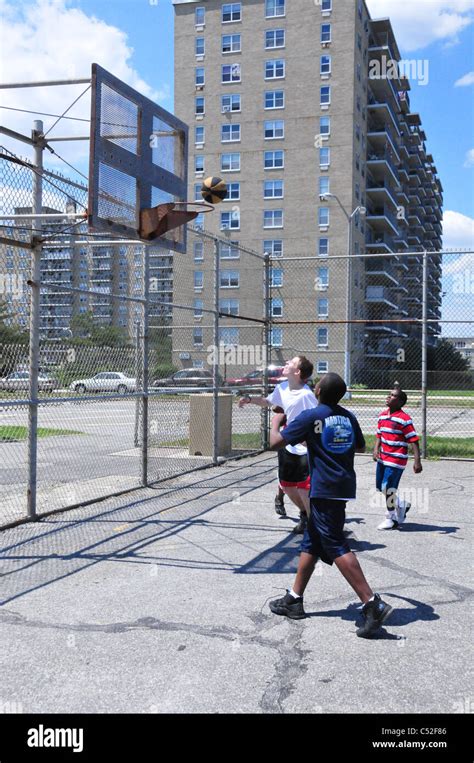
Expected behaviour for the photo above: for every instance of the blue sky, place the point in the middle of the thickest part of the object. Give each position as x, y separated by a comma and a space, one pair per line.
134, 40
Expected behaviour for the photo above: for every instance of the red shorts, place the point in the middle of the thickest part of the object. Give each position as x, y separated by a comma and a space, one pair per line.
306, 485
293, 470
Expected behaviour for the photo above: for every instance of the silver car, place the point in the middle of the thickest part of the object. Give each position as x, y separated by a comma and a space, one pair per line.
20, 380
106, 381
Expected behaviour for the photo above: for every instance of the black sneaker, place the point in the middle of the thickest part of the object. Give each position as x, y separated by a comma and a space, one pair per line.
301, 526
375, 613
288, 606
280, 507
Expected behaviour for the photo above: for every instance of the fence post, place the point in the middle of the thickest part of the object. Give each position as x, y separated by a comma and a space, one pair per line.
267, 350
424, 355
34, 284
215, 365
138, 374
145, 347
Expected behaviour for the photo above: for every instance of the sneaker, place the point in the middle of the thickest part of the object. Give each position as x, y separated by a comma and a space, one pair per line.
288, 606
388, 524
402, 510
374, 613
280, 507
301, 526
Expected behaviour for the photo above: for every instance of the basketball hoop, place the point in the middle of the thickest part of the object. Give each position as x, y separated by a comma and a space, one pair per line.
156, 221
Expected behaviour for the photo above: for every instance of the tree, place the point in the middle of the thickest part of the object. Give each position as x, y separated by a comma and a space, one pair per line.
10, 333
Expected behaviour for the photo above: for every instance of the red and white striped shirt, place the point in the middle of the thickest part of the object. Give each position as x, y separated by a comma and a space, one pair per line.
395, 431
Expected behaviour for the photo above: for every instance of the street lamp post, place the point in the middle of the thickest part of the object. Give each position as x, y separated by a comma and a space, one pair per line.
349, 217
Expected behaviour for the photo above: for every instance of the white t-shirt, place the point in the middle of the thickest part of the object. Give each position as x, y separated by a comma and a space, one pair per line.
293, 402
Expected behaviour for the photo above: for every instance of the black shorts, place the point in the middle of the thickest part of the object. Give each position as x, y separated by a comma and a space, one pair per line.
324, 534
293, 470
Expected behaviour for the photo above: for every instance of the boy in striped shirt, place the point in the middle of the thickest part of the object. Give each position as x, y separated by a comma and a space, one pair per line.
395, 431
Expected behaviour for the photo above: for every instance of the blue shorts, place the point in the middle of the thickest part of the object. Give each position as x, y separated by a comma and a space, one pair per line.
387, 477
324, 534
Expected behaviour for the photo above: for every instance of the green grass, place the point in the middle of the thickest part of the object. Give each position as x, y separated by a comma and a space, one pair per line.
439, 447
239, 442
13, 433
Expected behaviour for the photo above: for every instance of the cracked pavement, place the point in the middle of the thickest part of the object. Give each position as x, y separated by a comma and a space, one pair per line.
158, 602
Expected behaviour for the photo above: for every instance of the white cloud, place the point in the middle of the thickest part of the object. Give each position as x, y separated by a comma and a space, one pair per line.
465, 81
458, 231
418, 24
50, 40
469, 158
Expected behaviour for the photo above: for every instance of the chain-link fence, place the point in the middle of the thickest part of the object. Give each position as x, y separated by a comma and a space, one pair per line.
142, 354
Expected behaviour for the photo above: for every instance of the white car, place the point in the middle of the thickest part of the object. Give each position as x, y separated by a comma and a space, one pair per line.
20, 380
106, 381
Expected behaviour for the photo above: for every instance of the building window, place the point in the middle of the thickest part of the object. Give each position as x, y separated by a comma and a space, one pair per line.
276, 308
274, 99
359, 9
323, 216
274, 129
357, 161
200, 105
199, 135
274, 160
231, 43
325, 95
199, 76
199, 163
230, 103
230, 220
197, 192
229, 306
230, 163
275, 69
322, 279
323, 307
198, 221
198, 279
324, 157
359, 41
326, 5
322, 335
230, 73
233, 192
276, 277
274, 8
358, 72
198, 249
358, 102
323, 247
273, 247
198, 307
200, 46
197, 336
322, 367
323, 185
198, 364
229, 279
325, 66
273, 189
274, 38
230, 133
228, 335
273, 218
231, 12
324, 125
276, 337
325, 32
229, 251
200, 16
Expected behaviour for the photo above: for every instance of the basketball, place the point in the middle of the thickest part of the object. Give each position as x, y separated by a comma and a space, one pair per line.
213, 190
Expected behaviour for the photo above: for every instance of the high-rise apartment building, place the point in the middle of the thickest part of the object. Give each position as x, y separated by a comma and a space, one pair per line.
283, 100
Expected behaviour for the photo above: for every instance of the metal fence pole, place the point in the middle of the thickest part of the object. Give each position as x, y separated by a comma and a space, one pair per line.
138, 372
424, 355
145, 350
215, 366
34, 283
347, 349
267, 350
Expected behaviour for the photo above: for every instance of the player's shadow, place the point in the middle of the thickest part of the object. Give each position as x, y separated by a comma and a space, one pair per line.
414, 527
397, 618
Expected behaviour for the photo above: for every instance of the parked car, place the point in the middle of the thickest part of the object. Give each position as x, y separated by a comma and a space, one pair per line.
255, 378
106, 381
188, 377
20, 380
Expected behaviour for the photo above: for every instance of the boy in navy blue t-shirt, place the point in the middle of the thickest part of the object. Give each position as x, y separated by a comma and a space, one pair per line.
332, 435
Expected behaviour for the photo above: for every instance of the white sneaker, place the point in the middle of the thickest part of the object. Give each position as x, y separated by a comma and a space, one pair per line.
387, 524
403, 507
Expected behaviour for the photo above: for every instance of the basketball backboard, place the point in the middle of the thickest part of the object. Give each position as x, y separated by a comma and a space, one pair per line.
138, 159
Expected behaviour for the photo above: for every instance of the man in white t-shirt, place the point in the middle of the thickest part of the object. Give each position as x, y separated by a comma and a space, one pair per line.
293, 396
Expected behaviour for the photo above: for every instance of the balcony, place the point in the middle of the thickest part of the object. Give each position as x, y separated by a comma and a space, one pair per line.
381, 219
380, 135
382, 110
381, 242
381, 191
381, 270
404, 101
378, 162
379, 295
384, 348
